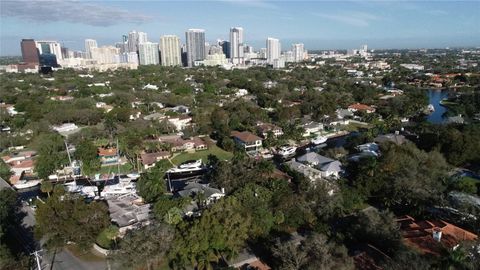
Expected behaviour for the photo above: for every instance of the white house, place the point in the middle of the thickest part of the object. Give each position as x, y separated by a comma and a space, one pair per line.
67, 127
180, 122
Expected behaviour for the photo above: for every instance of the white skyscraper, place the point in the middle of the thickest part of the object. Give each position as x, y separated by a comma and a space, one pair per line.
134, 39
236, 45
89, 44
273, 49
170, 50
52, 47
298, 52
106, 54
195, 45
148, 53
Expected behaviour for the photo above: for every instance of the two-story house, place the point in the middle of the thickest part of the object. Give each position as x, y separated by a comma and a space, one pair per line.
247, 140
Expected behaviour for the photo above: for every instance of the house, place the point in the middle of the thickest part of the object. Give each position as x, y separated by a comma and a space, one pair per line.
327, 166
180, 122
181, 109
246, 260
309, 172
247, 140
108, 155
179, 144
343, 113
104, 106
128, 212
22, 166
67, 127
241, 92
361, 107
430, 237
392, 137
211, 194
265, 128
455, 120
149, 160
9, 108
310, 127
18, 156
150, 87
154, 116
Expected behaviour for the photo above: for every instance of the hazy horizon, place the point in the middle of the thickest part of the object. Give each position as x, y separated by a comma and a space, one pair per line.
318, 24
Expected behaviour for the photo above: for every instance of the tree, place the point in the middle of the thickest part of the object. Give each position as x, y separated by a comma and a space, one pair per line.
86, 152
5, 172
151, 185
377, 228
51, 154
220, 232
46, 187
314, 252
8, 259
409, 177
65, 217
145, 247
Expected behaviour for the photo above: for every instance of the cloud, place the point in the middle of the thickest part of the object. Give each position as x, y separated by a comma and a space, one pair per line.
359, 19
69, 11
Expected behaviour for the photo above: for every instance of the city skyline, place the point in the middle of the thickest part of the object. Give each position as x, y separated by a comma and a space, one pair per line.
319, 25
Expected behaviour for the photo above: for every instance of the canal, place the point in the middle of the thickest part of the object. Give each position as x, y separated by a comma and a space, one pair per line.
434, 98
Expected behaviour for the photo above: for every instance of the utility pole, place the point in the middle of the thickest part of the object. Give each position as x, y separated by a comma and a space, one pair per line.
37, 258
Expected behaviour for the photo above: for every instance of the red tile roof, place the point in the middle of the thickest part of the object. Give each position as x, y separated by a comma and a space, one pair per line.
361, 107
107, 151
419, 234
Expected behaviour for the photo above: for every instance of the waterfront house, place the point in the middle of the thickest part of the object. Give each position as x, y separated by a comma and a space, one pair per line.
328, 167
108, 155
361, 107
265, 128
247, 140
149, 160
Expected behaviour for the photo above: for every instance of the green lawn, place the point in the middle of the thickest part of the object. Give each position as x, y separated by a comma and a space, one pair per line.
212, 150
126, 168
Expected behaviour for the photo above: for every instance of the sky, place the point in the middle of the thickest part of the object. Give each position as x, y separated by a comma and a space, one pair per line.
317, 24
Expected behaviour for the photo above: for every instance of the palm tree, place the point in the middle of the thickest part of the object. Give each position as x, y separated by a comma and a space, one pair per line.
46, 187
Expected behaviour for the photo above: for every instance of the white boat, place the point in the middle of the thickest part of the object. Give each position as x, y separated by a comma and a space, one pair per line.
87, 191
431, 108
188, 167
23, 184
286, 151
319, 140
133, 176
125, 186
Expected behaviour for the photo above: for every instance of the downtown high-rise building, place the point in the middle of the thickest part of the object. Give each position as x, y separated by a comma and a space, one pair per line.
148, 53
29, 51
298, 50
89, 44
50, 52
134, 39
106, 55
225, 48
236, 45
273, 49
170, 50
195, 39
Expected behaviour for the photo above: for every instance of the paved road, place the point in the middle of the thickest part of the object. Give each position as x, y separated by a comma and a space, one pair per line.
63, 260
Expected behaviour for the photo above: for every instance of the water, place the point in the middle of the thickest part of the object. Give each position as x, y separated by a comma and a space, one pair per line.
434, 98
